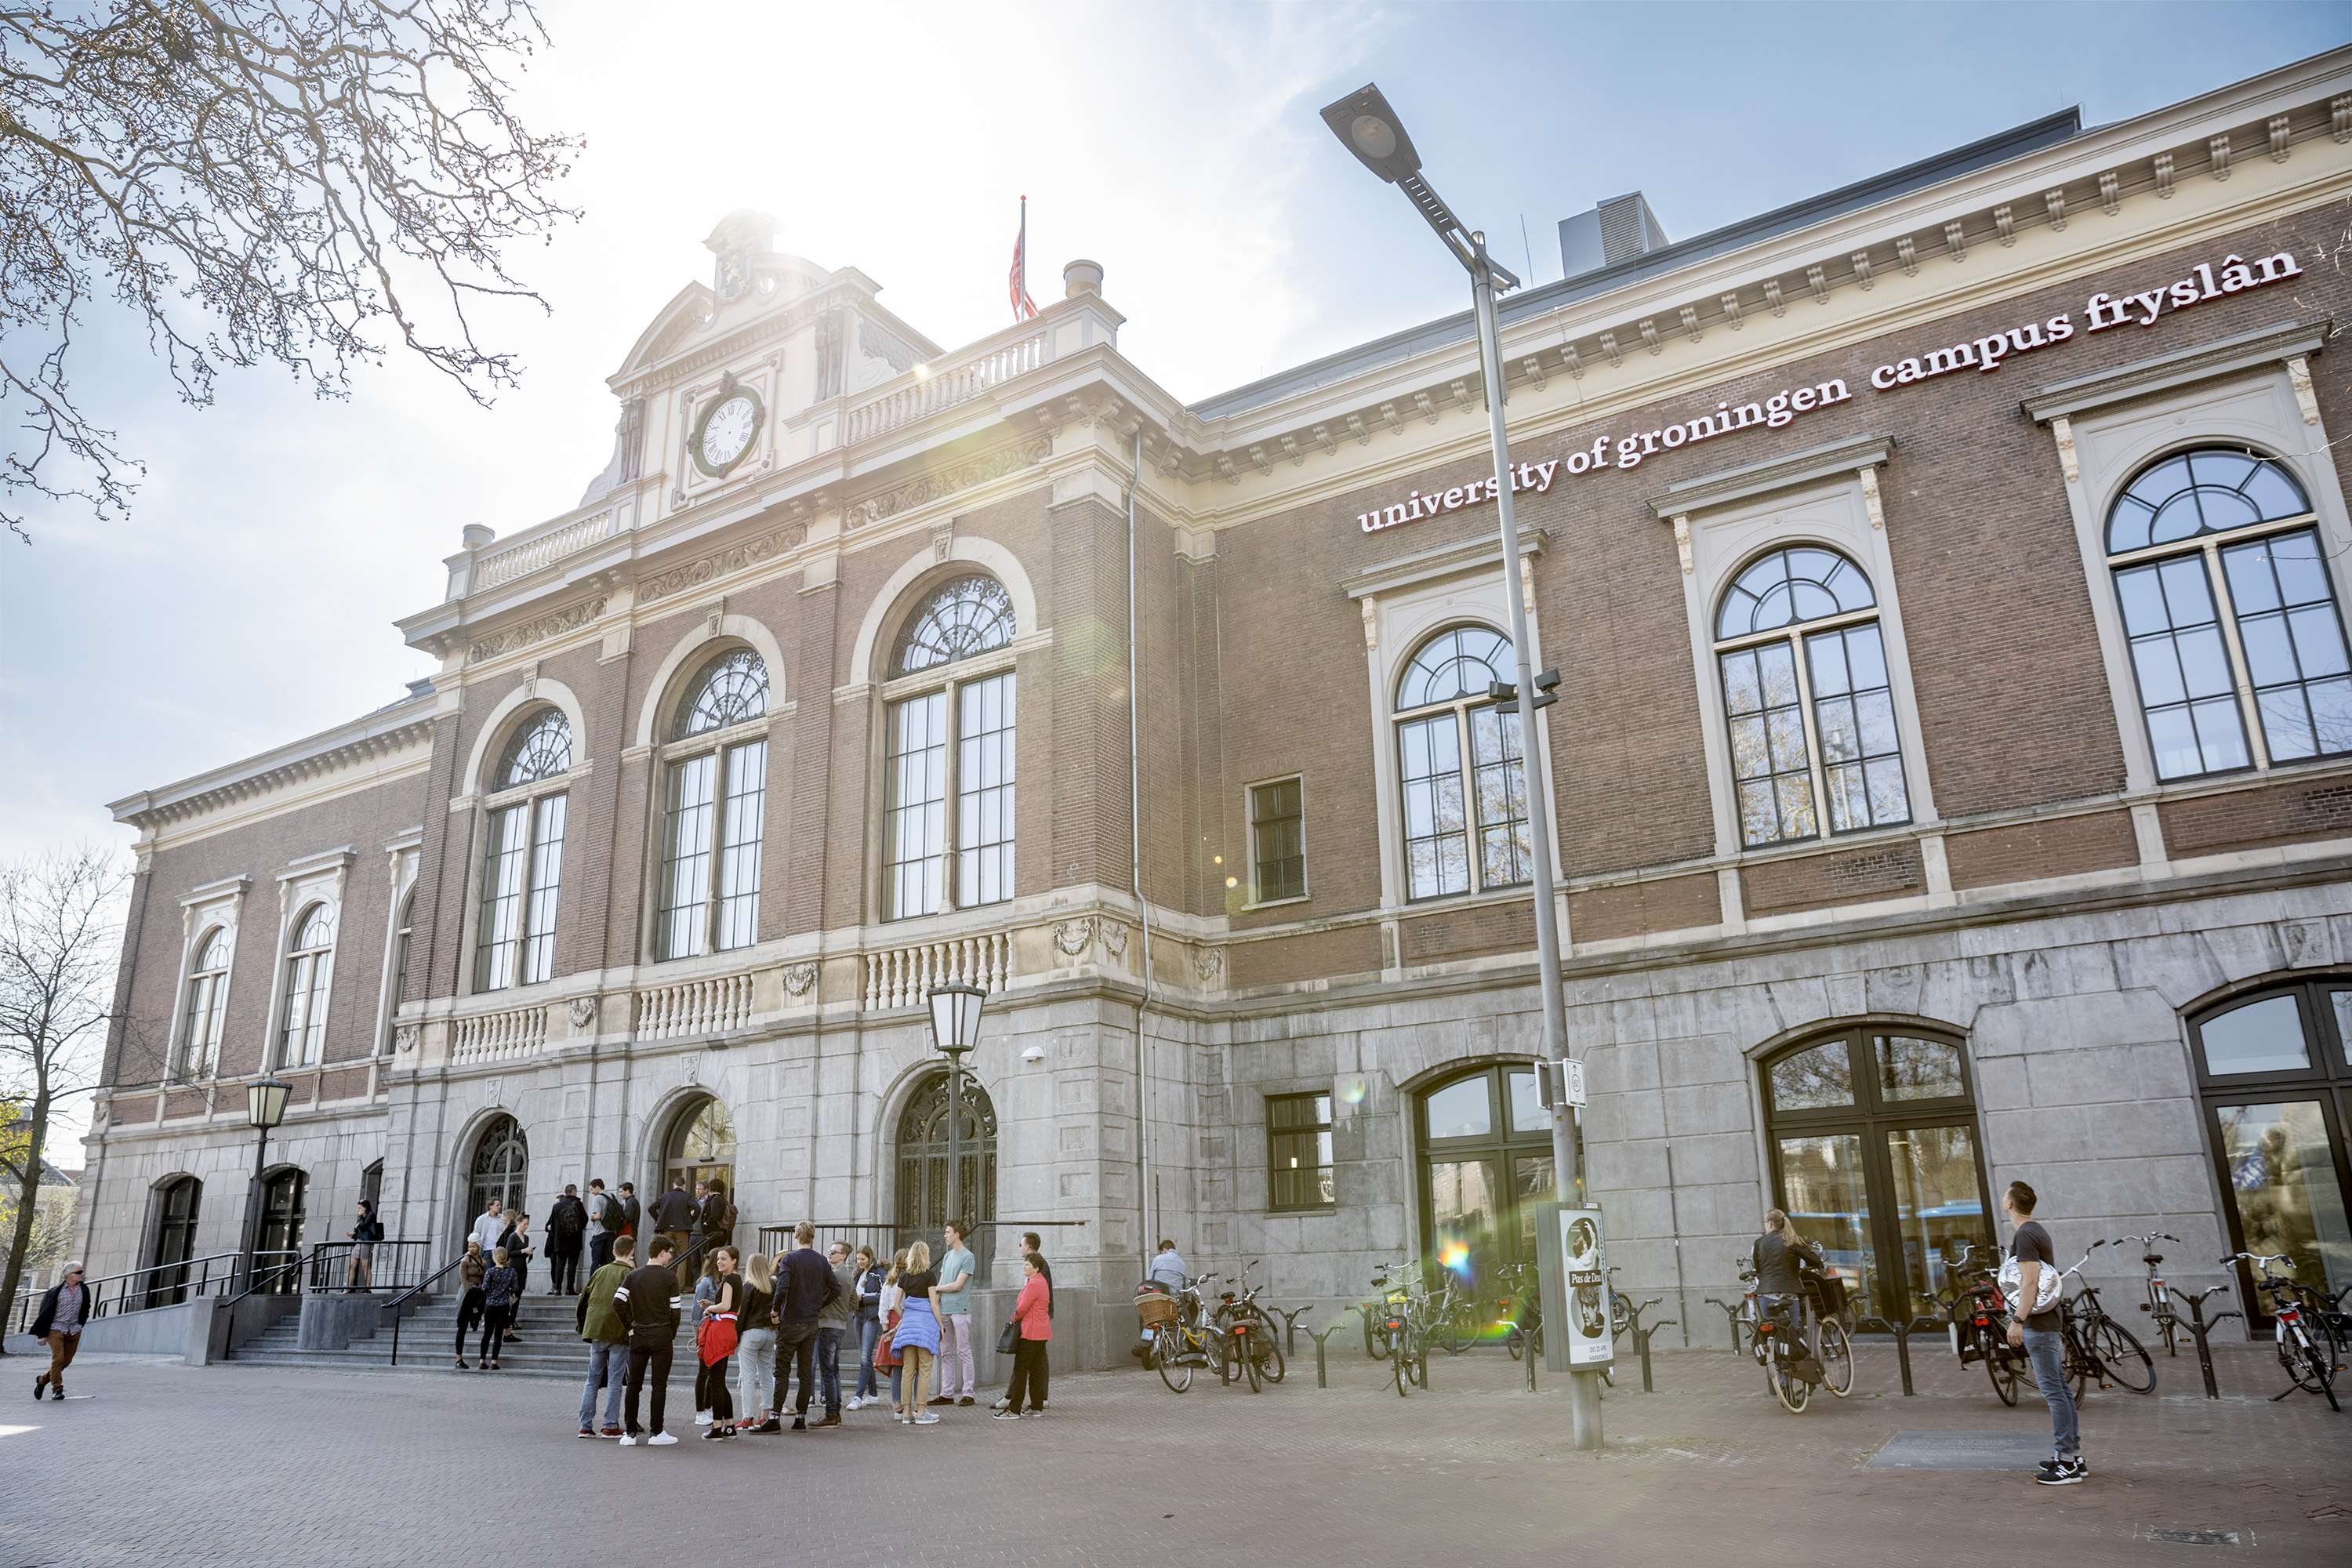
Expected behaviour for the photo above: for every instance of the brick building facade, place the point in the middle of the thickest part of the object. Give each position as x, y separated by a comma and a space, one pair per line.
1895, 861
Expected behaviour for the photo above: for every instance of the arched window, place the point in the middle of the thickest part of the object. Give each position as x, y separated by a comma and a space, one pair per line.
700, 1146
200, 1026
1452, 796
1875, 1159
717, 770
403, 928
285, 1201
922, 1207
1807, 700
2236, 642
523, 855
2274, 1071
174, 1242
1486, 1162
500, 1166
309, 962
953, 742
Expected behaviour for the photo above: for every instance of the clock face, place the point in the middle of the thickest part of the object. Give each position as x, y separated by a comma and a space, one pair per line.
726, 432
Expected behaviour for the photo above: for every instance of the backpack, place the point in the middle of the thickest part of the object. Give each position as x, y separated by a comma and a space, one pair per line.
2047, 1289
726, 1217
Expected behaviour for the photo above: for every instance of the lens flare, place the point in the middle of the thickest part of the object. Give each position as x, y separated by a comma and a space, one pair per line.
1352, 1092
1455, 1257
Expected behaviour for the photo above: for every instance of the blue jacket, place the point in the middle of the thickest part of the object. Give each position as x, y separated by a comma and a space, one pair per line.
870, 1294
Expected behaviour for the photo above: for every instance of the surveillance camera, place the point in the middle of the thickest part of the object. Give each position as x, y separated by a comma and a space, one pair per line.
1034, 1053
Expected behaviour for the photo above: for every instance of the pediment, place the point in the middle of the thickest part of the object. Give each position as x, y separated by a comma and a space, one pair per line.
688, 311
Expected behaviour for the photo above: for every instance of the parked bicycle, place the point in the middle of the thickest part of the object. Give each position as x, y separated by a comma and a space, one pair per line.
1519, 1311
2097, 1345
2158, 1305
1388, 1294
1979, 1318
1404, 1325
2310, 1361
1741, 1314
1179, 1336
1253, 1350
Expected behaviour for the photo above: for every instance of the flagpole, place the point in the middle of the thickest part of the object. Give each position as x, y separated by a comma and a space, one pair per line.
1025, 257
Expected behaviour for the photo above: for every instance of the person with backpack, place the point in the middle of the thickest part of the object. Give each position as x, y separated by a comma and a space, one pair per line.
472, 1270
567, 1230
603, 1224
716, 1216
601, 1326
2033, 1327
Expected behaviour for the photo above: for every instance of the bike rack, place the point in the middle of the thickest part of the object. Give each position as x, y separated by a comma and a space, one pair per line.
1289, 1324
2199, 1327
1902, 1333
1731, 1310
1641, 1335
1322, 1380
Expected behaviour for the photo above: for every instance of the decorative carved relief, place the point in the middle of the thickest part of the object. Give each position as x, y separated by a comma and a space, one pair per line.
800, 978
2064, 430
583, 1012
947, 481
1113, 934
554, 624
2298, 375
888, 346
1072, 938
1683, 543
1870, 499
403, 1038
1209, 963
693, 573
1371, 624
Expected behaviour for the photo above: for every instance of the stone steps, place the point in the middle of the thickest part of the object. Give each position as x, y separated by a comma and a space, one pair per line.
551, 1347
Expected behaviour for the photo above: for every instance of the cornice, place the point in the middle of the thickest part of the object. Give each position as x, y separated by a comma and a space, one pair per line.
1445, 561
1835, 459
2199, 361
381, 735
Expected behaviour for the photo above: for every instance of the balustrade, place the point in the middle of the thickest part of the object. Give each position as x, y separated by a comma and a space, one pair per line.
520, 557
707, 1007
493, 1037
942, 386
903, 976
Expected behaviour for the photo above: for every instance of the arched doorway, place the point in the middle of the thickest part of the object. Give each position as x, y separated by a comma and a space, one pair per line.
923, 1167
501, 1164
700, 1148
1486, 1162
1874, 1158
174, 1242
284, 1194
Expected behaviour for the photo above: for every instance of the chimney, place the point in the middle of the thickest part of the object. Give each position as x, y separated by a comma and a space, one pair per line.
1618, 228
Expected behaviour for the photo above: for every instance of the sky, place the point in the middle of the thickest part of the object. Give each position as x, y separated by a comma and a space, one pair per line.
248, 598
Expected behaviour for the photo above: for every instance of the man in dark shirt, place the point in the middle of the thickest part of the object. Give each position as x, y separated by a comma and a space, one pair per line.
649, 1304
2037, 1334
805, 1283
1777, 1254
672, 1215
716, 1216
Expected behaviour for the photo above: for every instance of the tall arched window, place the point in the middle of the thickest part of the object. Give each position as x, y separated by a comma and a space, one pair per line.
922, 1207
309, 964
285, 1202
1453, 796
950, 737
716, 772
403, 928
500, 1166
200, 1024
1486, 1162
1807, 700
700, 1146
174, 1242
522, 855
2236, 642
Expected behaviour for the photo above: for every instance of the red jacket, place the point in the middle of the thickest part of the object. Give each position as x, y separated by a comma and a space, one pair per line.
1029, 1312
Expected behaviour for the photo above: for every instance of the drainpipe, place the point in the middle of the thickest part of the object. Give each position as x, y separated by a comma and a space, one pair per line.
1135, 868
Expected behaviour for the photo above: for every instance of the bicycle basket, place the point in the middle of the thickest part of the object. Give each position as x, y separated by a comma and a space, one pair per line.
1155, 1309
1828, 1295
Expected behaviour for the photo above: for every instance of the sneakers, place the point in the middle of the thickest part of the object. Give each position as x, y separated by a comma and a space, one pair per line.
967, 1399
2061, 1473
629, 1440
702, 1418
36, 1386
609, 1432
1006, 1416
768, 1428
832, 1418
462, 1365
927, 1420
800, 1423
855, 1403
714, 1433
660, 1441
1002, 1404
56, 1391
944, 1399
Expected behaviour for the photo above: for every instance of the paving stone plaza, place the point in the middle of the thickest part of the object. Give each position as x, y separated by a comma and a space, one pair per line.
320, 1467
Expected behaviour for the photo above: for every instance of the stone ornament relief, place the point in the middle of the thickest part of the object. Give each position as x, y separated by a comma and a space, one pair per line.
1113, 935
583, 1012
947, 481
800, 978
1209, 963
547, 626
1072, 938
403, 1038
693, 573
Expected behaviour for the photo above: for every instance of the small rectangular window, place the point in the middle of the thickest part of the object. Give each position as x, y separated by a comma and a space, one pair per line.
1298, 1152
1277, 840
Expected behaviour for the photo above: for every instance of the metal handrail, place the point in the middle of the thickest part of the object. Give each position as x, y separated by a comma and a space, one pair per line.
778, 1237
389, 1264
119, 1302
272, 1281
395, 1307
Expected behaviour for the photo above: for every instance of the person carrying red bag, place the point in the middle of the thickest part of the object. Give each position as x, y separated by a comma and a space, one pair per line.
714, 1341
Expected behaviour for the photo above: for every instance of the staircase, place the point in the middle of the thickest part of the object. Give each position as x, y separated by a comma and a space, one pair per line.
550, 1346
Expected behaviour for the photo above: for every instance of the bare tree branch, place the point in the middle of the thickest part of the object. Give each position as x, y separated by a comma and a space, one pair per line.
255, 180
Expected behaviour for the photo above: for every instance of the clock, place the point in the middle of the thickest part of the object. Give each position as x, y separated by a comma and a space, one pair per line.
726, 431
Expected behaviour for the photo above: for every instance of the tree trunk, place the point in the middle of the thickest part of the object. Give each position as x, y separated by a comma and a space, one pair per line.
26, 1199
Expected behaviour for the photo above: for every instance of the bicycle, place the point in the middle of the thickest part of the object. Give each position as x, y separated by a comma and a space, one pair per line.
1979, 1326
2308, 1366
1778, 1351
2158, 1305
1249, 1333
1619, 1319
1522, 1328
1181, 1339
1377, 1313
2106, 1349
1404, 1308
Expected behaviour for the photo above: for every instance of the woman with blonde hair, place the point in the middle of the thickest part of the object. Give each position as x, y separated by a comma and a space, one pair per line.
755, 1353
917, 1339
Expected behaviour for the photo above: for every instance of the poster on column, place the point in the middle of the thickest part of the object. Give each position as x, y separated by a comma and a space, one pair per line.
1584, 1274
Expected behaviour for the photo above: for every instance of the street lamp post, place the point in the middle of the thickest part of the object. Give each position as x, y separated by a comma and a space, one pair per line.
1371, 130
264, 1107
955, 1029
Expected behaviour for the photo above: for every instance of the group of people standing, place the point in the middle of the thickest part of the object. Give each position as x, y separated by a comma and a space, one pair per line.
776, 1317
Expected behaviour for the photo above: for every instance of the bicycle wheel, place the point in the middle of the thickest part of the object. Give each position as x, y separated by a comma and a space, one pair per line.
1514, 1340
2121, 1356
1418, 1367
1461, 1330
2077, 1366
1165, 1349
1618, 1316
1244, 1352
1793, 1392
1376, 1343
1998, 1366
1397, 1367
1229, 1370
1271, 1367
1837, 1358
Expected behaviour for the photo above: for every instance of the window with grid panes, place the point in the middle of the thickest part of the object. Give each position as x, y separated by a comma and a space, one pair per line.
1277, 840
1298, 1152
1462, 769
1807, 700
2237, 646
522, 855
947, 803
715, 769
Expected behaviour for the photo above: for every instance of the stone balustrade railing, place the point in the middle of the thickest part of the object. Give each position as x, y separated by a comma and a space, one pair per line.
929, 388
711, 1005
494, 1037
903, 976
527, 553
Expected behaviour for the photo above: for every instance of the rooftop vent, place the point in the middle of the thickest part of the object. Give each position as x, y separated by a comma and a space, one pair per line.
1618, 228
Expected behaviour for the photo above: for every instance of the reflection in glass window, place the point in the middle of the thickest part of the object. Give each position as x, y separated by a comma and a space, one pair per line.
303, 1034
1809, 706
1809, 1080
1460, 1110
715, 807
200, 1028
955, 743
1298, 1152
962, 619
2283, 1188
2266, 1036
1442, 690
1527, 1114
1918, 1069
1277, 841
2209, 541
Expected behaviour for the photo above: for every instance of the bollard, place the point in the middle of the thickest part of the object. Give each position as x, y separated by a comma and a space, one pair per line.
1902, 1333
2200, 1327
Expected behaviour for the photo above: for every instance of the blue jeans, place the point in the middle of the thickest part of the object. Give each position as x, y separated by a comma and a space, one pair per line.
608, 1368
869, 1333
828, 1367
2047, 1351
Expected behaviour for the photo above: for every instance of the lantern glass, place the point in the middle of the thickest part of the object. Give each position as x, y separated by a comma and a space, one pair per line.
955, 1016
264, 1102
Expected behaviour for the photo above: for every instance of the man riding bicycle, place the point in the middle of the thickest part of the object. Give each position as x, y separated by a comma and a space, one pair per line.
1780, 1255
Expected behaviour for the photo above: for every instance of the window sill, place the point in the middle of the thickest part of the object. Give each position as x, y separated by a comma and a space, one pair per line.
1798, 848
1256, 904
1316, 1208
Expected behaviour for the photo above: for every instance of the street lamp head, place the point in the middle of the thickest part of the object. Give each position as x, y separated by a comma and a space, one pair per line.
1368, 128
264, 1102
955, 1018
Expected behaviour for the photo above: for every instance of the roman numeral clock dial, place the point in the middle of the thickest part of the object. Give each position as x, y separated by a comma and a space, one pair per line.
727, 431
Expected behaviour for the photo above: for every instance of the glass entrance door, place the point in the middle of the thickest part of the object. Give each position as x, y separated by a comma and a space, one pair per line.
282, 1201
1938, 1205
1826, 1193
175, 1242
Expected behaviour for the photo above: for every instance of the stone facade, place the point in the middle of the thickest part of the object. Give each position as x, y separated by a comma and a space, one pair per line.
2046, 901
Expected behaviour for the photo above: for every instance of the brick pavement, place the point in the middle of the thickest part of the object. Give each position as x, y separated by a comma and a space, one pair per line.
167, 1464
